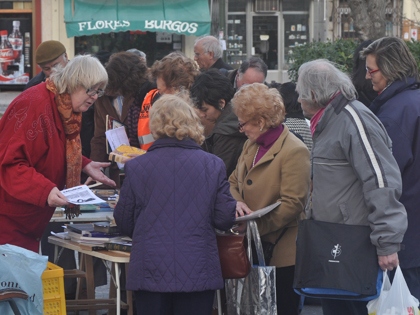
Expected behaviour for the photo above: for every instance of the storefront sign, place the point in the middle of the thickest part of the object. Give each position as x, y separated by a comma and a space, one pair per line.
173, 26
163, 37
109, 26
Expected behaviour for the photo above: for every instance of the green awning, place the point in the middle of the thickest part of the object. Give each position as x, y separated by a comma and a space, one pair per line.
89, 17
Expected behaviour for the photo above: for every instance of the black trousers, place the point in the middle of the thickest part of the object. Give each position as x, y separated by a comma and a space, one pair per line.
191, 303
287, 299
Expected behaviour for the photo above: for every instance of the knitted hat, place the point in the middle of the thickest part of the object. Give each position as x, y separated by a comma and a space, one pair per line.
48, 51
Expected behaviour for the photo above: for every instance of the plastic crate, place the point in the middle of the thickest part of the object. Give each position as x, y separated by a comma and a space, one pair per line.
53, 287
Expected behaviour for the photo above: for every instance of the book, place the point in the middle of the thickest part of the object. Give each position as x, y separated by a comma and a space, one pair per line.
122, 246
258, 213
93, 247
111, 123
88, 229
97, 239
105, 227
123, 153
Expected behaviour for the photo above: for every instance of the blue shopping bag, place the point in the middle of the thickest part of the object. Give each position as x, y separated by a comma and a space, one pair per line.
21, 270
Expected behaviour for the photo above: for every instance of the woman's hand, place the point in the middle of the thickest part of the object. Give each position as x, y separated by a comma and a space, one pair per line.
56, 198
94, 170
242, 209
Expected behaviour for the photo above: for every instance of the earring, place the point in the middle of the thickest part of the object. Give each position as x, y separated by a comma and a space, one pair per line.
221, 108
261, 129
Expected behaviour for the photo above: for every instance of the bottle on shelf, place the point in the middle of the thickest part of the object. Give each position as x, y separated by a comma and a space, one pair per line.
16, 40
6, 52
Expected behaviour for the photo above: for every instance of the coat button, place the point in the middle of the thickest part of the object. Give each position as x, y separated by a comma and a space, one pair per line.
249, 182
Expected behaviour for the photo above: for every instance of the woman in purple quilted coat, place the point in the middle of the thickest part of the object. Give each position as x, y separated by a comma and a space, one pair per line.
171, 200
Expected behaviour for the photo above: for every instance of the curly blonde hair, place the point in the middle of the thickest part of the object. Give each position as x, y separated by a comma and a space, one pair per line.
257, 100
176, 70
172, 116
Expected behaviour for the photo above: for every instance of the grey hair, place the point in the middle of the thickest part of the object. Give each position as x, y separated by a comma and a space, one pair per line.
319, 80
82, 71
137, 52
210, 44
253, 62
393, 58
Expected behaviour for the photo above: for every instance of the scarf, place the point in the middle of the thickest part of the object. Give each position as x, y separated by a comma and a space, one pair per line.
72, 124
317, 117
266, 141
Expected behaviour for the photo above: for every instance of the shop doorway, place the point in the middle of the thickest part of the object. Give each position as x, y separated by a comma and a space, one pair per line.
265, 39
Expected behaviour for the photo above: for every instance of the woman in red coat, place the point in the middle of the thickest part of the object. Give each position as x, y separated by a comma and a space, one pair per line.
40, 150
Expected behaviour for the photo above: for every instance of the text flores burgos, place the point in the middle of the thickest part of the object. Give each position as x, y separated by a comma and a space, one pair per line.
175, 26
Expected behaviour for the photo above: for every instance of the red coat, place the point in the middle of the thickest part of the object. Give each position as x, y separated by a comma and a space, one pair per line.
32, 163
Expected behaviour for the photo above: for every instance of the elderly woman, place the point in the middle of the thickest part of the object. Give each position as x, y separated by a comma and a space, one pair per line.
274, 165
394, 74
40, 150
211, 93
174, 73
171, 200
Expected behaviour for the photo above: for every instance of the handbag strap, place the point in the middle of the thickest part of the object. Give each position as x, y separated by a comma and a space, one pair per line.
252, 232
280, 236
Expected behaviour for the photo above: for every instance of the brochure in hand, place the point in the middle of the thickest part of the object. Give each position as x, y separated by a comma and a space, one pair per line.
258, 213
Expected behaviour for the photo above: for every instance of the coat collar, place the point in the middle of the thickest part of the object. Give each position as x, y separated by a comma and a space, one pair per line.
271, 153
186, 143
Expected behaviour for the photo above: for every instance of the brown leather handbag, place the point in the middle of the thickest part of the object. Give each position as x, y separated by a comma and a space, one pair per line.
233, 252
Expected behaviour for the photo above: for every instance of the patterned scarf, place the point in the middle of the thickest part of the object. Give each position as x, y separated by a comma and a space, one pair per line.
72, 124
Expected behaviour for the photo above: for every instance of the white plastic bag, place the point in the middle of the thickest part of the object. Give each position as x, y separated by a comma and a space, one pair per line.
373, 305
22, 269
398, 300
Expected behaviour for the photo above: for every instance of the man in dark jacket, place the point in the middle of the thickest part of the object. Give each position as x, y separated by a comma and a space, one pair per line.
208, 54
393, 71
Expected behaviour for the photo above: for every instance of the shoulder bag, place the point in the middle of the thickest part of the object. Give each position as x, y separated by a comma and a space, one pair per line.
336, 261
232, 252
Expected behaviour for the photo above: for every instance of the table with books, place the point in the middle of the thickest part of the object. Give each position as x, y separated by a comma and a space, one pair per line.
93, 240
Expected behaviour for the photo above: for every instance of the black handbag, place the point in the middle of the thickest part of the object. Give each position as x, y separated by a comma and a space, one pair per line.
336, 261
267, 247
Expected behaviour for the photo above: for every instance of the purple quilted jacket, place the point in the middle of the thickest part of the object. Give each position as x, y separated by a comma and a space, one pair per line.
170, 202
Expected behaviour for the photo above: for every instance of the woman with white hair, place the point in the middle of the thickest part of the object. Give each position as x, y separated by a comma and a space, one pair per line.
40, 150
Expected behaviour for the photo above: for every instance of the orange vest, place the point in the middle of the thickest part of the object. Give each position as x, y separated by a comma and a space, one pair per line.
143, 129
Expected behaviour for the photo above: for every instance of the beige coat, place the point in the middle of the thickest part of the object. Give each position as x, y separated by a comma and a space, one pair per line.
283, 173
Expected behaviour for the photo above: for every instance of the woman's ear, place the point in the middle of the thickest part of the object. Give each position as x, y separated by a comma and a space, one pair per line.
222, 104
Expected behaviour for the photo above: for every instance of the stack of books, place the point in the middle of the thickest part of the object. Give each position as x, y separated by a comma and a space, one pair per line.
85, 233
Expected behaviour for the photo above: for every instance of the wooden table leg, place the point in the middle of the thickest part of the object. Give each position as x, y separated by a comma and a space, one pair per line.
90, 283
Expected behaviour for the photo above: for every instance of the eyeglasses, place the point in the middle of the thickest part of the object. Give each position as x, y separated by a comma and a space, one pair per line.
199, 54
371, 71
241, 126
92, 92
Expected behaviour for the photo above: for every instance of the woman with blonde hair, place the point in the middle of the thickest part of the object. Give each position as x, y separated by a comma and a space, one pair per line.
170, 202
274, 165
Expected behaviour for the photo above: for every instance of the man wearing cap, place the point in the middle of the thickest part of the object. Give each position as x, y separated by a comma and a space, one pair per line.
48, 55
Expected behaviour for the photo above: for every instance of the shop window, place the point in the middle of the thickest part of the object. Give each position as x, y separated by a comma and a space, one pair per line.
150, 43
236, 42
265, 39
237, 5
296, 33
